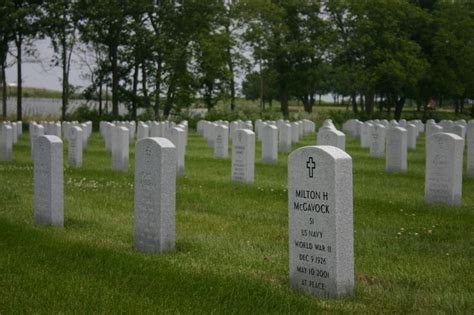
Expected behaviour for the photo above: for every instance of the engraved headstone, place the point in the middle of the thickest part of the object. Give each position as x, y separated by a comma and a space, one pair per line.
75, 146
377, 140
221, 142
396, 150
321, 250
155, 195
443, 175
37, 130
48, 181
243, 156
269, 143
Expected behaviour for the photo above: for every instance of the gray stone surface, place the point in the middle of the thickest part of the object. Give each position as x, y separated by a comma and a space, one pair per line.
321, 250
295, 132
396, 150
377, 141
120, 149
221, 142
48, 181
155, 195
37, 130
6, 142
243, 156
284, 137
443, 175
143, 131
177, 137
75, 146
470, 148
412, 133
331, 136
269, 144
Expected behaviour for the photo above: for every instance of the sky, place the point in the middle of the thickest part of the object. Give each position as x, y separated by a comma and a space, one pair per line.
38, 72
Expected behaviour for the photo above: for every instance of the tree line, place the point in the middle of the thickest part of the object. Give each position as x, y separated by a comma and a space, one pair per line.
162, 55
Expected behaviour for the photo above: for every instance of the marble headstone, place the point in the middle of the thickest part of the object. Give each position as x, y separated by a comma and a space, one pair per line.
243, 156
155, 195
48, 181
320, 210
443, 174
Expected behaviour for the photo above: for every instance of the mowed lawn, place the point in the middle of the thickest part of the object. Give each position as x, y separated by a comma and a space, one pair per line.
232, 242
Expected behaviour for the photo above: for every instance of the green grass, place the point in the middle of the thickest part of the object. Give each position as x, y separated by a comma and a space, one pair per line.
232, 242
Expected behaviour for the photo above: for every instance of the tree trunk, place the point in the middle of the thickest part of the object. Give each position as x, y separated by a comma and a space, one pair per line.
65, 92
100, 99
456, 106
134, 90
461, 109
157, 91
355, 109
106, 98
4, 91
369, 102
230, 64
284, 100
19, 91
146, 101
115, 80
399, 108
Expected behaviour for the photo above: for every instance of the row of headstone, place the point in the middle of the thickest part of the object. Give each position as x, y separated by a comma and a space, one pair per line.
321, 251
155, 189
329, 135
444, 152
276, 136
119, 134
9, 133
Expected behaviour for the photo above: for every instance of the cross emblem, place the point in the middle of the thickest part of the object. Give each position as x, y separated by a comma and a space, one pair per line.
311, 165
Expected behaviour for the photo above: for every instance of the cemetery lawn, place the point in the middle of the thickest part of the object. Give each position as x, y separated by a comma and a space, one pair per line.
232, 242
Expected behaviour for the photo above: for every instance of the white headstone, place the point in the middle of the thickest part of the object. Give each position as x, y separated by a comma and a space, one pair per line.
320, 221
155, 195
412, 132
269, 144
178, 138
37, 130
143, 131
396, 150
470, 148
75, 146
243, 156
6, 142
48, 181
377, 140
295, 132
120, 149
284, 137
221, 142
443, 175
331, 136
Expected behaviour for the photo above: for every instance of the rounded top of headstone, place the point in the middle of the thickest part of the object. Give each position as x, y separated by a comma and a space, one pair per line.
327, 150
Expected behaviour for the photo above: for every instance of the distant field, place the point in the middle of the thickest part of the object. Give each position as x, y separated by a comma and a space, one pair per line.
232, 242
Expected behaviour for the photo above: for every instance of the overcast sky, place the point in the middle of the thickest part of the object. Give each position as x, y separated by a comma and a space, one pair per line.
37, 71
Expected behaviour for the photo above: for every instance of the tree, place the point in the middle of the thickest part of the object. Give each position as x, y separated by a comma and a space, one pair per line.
25, 24
60, 23
106, 23
6, 36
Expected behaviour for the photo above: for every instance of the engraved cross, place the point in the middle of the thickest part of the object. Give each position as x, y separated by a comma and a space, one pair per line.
311, 165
